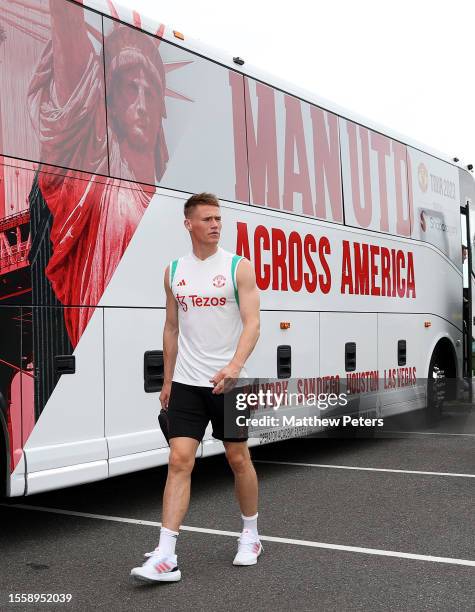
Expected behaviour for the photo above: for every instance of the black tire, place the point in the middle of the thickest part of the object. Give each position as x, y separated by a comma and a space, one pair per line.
436, 387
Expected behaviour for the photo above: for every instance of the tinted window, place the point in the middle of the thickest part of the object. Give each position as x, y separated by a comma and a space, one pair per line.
51, 79
435, 191
174, 119
375, 180
294, 154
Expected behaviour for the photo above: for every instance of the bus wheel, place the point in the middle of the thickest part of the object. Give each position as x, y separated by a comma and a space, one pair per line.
440, 381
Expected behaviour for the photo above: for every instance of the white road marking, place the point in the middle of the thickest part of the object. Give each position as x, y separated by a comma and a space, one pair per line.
368, 469
428, 433
235, 534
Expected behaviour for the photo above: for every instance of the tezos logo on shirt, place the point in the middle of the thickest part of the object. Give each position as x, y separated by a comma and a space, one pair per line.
198, 301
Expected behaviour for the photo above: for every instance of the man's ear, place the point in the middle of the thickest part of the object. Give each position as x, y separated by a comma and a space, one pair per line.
188, 224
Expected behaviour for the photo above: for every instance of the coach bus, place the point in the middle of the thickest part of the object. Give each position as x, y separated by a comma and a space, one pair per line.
108, 122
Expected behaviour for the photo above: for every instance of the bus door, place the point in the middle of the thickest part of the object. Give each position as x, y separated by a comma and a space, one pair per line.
471, 256
468, 263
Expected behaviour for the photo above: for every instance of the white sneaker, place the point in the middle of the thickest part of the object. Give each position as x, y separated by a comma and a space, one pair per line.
158, 569
249, 549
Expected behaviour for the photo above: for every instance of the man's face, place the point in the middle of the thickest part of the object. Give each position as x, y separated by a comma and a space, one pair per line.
137, 106
204, 223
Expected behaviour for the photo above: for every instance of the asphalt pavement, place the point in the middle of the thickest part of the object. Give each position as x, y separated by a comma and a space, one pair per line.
347, 524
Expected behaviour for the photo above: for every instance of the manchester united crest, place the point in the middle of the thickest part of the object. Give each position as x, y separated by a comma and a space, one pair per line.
423, 176
219, 281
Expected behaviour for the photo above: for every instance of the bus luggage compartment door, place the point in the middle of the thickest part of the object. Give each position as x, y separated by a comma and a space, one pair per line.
133, 340
348, 353
288, 345
66, 445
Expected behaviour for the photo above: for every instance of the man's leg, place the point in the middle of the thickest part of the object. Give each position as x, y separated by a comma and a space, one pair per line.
176, 497
245, 484
245, 477
162, 565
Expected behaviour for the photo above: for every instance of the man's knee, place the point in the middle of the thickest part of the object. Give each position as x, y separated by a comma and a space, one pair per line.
238, 459
181, 460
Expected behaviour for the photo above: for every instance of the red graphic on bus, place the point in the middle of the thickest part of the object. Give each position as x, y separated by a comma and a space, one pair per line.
90, 107
93, 220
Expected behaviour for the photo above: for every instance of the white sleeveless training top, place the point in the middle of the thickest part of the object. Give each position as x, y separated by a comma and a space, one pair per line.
208, 315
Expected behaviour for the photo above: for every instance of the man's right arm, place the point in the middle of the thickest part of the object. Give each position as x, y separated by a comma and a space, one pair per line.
170, 341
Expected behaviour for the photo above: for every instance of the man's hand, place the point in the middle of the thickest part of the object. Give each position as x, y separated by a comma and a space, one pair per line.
226, 378
165, 395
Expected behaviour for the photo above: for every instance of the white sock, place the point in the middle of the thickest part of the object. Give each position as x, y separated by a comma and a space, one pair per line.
167, 543
250, 523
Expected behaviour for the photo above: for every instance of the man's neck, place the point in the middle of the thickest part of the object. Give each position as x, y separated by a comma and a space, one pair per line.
203, 251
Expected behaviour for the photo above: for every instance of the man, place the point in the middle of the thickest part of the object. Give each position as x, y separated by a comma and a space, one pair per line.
211, 328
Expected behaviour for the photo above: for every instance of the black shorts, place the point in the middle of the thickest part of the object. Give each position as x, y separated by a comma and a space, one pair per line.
191, 408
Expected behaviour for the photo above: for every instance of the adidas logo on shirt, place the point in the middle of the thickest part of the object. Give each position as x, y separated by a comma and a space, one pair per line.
181, 283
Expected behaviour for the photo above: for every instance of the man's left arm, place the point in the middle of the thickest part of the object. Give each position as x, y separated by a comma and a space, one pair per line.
249, 307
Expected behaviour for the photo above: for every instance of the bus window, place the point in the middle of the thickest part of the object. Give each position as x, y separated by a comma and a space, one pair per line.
465, 266
171, 120
294, 154
52, 109
436, 203
375, 185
